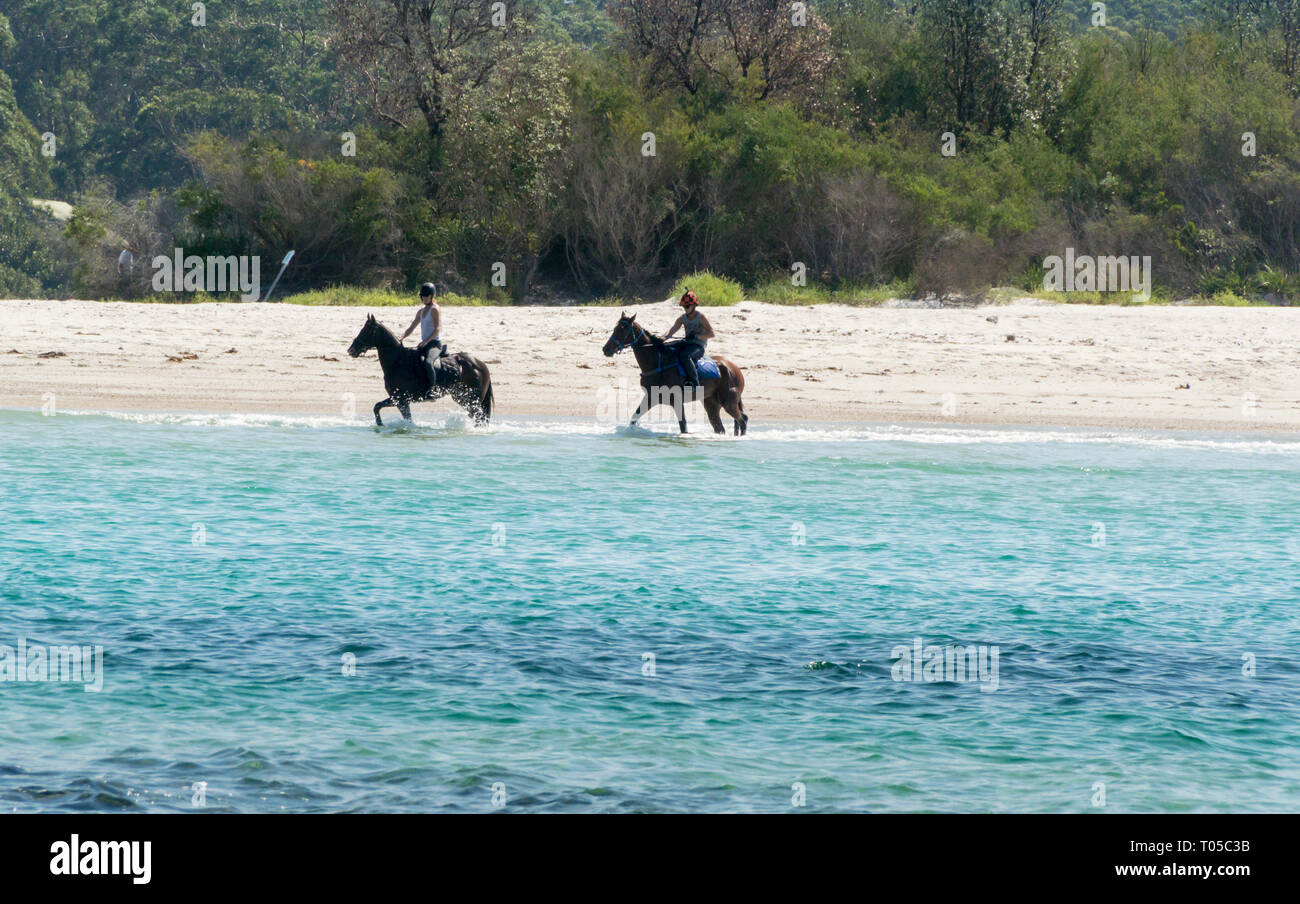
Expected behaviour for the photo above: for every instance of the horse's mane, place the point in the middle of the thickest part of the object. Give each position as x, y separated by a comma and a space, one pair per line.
655, 340
387, 332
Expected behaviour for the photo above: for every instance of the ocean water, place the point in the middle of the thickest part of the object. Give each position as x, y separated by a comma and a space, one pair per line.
315, 615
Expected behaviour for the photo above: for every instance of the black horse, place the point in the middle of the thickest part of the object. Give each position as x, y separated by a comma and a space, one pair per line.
407, 381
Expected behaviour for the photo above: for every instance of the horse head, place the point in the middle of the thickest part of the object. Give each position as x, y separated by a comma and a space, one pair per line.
365, 340
624, 335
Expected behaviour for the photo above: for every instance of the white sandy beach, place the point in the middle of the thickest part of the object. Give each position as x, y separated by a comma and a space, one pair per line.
1154, 367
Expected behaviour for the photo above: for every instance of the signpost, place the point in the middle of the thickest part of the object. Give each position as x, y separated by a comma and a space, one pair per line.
284, 263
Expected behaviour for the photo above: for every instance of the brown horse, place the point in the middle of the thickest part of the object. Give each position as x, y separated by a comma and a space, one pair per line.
407, 382
664, 384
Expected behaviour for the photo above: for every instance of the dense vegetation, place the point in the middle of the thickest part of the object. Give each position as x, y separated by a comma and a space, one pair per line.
591, 149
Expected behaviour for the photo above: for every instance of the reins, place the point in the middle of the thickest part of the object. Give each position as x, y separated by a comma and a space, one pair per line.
639, 332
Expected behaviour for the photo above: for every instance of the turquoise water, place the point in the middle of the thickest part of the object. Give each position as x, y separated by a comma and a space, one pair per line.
500, 590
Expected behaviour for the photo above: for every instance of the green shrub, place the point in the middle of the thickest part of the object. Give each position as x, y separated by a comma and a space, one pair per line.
1281, 283
485, 293
266, 196
1032, 279
1230, 299
1226, 282
713, 291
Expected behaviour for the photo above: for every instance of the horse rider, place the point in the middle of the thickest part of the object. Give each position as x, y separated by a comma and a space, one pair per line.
698, 332
429, 318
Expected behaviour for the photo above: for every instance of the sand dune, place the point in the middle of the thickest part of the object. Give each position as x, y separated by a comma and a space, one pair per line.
1158, 367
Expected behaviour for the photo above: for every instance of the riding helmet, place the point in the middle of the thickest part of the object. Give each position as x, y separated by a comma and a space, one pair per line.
427, 289
689, 298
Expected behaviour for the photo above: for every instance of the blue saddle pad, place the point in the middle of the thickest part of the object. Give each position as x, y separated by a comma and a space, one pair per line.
708, 369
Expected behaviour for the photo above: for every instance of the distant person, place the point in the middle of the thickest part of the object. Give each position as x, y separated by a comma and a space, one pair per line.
125, 262
698, 332
429, 318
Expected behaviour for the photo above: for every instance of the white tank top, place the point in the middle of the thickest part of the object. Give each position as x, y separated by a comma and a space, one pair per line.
426, 325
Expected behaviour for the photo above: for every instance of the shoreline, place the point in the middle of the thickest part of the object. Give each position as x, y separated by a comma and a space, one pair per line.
665, 427
1153, 368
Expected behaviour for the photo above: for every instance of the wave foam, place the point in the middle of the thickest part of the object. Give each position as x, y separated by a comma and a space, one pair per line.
457, 422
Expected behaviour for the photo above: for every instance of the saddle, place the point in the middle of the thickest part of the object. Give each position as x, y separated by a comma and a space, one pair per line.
446, 370
706, 367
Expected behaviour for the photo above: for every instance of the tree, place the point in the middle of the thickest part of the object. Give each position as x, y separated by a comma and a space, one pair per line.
971, 49
507, 148
423, 55
1284, 18
996, 63
769, 46
673, 35
27, 264
691, 43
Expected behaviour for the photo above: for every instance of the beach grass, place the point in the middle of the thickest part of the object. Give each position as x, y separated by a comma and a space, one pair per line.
334, 296
353, 296
1160, 295
780, 291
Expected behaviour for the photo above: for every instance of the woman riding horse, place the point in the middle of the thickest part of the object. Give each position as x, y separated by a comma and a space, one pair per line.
407, 380
429, 318
663, 382
698, 333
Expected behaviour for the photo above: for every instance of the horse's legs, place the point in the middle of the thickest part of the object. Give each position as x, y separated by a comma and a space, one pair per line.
467, 398
641, 409
404, 406
735, 408
386, 403
470, 403
712, 407
478, 406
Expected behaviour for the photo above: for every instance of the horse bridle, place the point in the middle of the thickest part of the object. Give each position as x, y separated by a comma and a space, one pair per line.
621, 344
